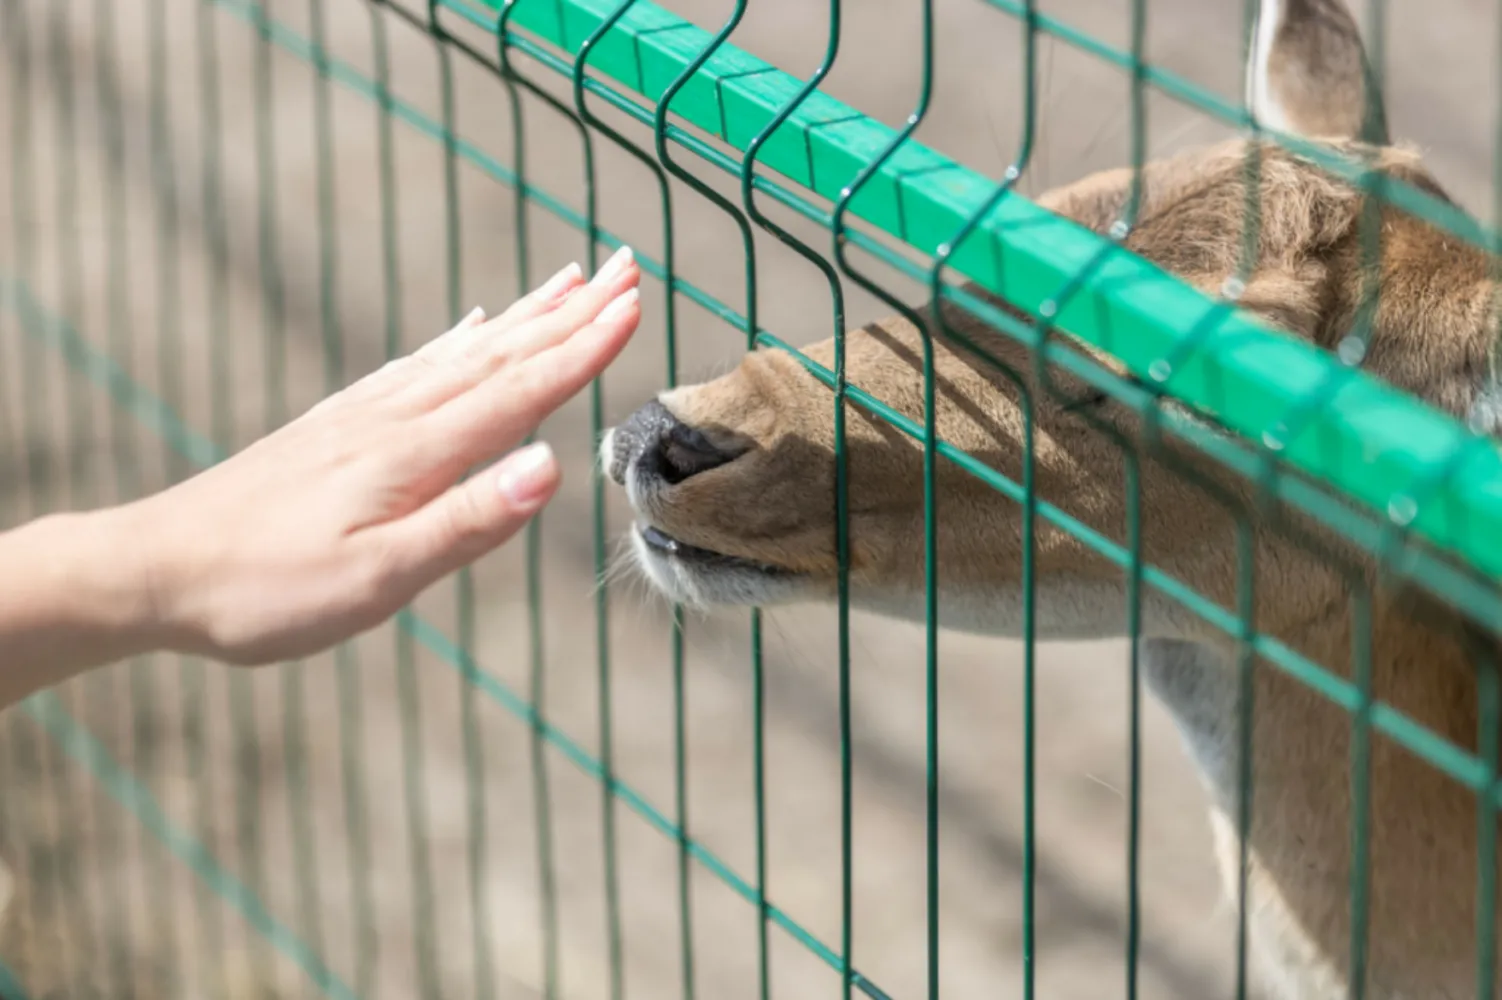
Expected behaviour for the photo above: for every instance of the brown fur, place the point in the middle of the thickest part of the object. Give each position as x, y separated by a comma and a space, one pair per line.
775, 504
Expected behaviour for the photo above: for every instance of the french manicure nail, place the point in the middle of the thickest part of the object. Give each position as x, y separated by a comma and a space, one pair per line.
555, 285
523, 475
615, 266
619, 305
476, 315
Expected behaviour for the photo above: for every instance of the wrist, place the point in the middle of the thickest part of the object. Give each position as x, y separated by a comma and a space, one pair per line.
75, 594
102, 564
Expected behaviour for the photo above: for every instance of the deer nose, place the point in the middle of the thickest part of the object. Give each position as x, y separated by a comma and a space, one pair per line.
655, 444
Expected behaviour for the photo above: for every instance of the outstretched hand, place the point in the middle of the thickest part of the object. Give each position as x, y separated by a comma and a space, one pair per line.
335, 521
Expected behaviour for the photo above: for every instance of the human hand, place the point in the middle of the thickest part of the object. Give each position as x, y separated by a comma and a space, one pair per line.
329, 525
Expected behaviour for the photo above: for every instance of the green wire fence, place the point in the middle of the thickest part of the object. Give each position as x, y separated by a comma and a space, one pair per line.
263, 863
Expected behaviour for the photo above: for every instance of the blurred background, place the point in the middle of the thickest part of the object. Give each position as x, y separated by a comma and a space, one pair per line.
381, 810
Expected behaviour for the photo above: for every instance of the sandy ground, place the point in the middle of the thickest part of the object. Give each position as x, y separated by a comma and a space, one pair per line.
251, 768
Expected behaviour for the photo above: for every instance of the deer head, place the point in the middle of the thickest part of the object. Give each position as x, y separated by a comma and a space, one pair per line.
732, 482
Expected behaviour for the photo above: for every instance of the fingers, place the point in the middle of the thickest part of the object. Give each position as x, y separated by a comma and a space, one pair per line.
471, 519
448, 341
505, 408
547, 297
467, 357
537, 320
466, 412
472, 333
617, 276
475, 318
399, 371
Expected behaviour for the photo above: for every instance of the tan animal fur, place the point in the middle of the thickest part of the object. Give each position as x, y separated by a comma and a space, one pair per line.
742, 466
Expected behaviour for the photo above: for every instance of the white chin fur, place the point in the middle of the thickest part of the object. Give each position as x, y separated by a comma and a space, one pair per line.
607, 449
700, 587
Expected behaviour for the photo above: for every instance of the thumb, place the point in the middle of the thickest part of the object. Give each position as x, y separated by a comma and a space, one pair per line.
475, 516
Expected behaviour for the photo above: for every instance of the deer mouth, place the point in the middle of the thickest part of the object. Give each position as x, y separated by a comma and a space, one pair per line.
662, 544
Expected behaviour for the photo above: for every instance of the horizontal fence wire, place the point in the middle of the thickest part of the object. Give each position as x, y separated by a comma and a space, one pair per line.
1391, 474
10, 986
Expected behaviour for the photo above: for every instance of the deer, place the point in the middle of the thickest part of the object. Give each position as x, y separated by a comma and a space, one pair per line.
731, 484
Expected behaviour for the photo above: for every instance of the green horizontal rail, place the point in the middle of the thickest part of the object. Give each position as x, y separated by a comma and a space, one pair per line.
1371, 441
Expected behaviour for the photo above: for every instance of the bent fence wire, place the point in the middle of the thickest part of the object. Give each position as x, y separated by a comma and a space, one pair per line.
237, 858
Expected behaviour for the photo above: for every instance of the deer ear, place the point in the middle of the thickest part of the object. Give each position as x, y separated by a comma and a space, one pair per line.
1308, 75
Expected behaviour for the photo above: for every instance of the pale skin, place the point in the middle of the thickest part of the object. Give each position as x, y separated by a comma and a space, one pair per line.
329, 525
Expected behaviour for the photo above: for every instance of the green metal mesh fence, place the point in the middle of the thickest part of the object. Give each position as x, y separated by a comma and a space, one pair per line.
182, 238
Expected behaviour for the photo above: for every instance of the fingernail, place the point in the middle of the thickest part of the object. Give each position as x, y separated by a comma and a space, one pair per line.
524, 475
615, 266
619, 305
555, 285
476, 315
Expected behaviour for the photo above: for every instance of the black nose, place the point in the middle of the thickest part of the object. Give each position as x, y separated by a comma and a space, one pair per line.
661, 446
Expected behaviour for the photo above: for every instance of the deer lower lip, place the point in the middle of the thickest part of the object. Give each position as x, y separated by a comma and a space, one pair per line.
661, 542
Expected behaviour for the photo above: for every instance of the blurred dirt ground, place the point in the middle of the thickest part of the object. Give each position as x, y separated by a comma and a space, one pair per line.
344, 793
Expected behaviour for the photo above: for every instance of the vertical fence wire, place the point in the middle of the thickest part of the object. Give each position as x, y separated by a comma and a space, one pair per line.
294, 720
63, 814
367, 943
18, 36
160, 874
470, 726
547, 893
747, 174
1361, 771
124, 451
350, 715
597, 426
1134, 536
542, 804
547, 887
221, 418
1490, 723
346, 656
1373, 130
1251, 235
277, 407
18, 33
1245, 720
240, 693
69, 258
414, 793
1489, 736
930, 497
758, 674
1010, 178
15, 39
404, 645
27, 753
748, 250
1045, 328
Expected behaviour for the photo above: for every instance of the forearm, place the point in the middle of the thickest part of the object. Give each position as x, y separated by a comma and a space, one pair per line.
330, 524
75, 593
